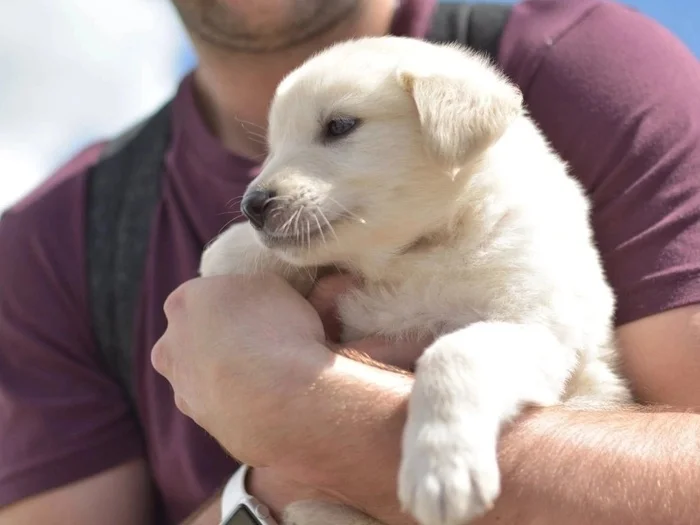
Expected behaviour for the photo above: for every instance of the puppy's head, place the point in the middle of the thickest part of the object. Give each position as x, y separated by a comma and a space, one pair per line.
368, 143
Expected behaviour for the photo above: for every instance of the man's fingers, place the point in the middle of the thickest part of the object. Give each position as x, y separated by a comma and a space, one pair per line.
182, 405
324, 299
160, 359
327, 290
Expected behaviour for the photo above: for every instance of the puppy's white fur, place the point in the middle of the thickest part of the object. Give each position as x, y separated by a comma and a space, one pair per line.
462, 222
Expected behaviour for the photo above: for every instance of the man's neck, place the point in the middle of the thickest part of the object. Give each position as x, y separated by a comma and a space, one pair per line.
234, 90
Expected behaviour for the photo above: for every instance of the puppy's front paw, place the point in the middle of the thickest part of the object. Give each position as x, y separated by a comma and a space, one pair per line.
233, 252
449, 473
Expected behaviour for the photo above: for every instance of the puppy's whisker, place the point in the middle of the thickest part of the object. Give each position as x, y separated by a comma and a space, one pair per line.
275, 213
257, 264
328, 224
309, 273
278, 198
234, 201
295, 229
305, 241
308, 234
347, 213
301, 233
320, 230
354, 218
245, 123
260, 264
256, 135
285, 227
230, 222
258, 141
260, 138
236, 215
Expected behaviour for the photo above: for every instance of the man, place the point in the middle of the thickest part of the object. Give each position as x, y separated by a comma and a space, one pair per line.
615, 93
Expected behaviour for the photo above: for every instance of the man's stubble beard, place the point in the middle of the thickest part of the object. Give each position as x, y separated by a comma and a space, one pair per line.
220, 25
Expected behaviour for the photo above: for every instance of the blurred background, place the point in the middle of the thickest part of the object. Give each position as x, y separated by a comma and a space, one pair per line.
72, 71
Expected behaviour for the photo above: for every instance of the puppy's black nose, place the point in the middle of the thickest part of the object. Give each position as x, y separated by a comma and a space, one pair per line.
255, 205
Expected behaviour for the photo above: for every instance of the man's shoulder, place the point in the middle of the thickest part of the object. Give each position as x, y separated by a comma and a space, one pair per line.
57, 388
61, 190
42, 234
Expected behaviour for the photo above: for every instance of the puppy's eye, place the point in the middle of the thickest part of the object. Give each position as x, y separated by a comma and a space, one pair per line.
339, 127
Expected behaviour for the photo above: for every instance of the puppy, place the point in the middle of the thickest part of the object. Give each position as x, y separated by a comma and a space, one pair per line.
415, 167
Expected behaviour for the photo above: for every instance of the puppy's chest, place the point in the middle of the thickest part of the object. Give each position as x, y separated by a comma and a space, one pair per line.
406, 310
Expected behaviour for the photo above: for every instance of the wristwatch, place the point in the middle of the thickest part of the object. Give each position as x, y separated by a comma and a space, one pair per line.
240, 508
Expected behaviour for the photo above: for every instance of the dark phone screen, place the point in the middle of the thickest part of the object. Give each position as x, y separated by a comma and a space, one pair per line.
242, 516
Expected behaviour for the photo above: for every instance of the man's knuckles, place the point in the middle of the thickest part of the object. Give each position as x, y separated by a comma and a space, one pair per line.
175, 302
161, 358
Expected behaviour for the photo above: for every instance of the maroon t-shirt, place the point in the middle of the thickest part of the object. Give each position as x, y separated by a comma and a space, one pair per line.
616, 94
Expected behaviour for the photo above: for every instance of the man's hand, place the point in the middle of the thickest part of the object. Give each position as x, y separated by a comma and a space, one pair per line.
240, 352
245, 355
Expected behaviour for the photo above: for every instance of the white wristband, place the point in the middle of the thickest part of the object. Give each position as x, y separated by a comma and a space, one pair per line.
238, 506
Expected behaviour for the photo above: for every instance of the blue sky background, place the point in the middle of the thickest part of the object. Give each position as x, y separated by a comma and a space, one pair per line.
680, 16
86, 69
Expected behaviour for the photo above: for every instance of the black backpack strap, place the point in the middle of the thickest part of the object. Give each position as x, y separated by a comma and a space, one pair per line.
123, 191
475, 25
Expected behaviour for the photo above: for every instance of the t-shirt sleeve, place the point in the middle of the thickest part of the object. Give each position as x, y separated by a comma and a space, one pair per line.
617, 95
61, 417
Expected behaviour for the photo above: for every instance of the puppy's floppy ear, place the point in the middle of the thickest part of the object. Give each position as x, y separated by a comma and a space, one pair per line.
464, 105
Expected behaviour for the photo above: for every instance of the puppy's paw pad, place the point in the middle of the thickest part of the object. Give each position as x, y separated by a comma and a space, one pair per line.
448, 481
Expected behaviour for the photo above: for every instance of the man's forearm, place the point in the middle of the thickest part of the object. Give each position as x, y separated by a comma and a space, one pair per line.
573, 467
343, 439
208, 514
559, 466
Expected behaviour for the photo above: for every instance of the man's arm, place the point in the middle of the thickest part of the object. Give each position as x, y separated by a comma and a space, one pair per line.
70, 450
559, 465
637, 465
335, 424
118, 496
208, 514
114, 497
661, 356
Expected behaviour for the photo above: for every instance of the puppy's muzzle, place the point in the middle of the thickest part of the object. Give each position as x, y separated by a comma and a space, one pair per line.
256, 205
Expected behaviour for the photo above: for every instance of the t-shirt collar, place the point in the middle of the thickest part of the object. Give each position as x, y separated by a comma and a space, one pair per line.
412, 18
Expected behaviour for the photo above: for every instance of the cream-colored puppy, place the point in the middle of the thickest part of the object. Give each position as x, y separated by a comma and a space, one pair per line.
415, 167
